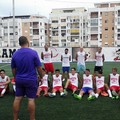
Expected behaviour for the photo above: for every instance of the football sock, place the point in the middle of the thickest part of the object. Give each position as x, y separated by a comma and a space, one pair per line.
96, 95
109, 92
3, 91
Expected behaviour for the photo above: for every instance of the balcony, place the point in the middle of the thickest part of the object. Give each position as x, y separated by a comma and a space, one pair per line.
94, 37
35, 25
118, 42
74, 31
94, 15
118, 13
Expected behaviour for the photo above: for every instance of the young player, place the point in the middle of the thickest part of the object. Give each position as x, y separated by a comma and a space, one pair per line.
72, 82
4, 81
101, 86
87, 86
114, 83
80, 58
57, 84
99, 56
65, 58
43, 84
46, 56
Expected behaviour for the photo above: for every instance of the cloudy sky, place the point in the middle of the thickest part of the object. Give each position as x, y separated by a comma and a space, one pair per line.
42, 7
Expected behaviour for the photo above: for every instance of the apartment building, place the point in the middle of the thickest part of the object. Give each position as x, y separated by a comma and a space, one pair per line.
1, 31
68, 27
104, 25
35, 28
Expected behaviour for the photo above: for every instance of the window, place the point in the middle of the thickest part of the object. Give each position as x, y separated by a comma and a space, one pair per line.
11, 33
55, 21
112, 28
118, 30
5, 27
106, 21
94, 22
118, 20
63, 20
106, 29
11, 26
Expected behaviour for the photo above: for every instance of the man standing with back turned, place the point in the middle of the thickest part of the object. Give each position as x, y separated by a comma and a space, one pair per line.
24, 63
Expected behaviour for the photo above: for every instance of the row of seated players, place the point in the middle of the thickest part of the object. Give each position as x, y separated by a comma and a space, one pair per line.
94, 85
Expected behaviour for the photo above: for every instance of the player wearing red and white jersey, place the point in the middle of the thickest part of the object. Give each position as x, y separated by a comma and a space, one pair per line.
72, 82
57, 84
99, 56
101, 86
43, 84
114, 82
46, 56
4, 81
87, 86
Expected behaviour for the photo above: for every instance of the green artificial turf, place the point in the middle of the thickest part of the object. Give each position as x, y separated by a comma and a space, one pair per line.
67, 108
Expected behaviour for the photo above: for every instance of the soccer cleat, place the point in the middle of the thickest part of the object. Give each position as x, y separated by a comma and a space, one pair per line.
77, 97
114, 93
117, 97
104, 93
113, 98
51, 95
91, 98
63, 95
65, 92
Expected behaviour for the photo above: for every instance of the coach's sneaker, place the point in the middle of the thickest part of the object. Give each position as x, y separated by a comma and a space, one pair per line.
91, 97
77, 97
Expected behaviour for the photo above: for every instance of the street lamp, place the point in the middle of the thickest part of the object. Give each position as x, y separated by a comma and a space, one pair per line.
14, 23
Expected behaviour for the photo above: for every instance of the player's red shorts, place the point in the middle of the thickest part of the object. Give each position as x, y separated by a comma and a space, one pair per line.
57, 88
102, 88
43, 88
49, 67
1, 89
72, 87
116, 88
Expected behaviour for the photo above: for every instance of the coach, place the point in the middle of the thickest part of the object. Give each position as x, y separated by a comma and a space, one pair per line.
24, 63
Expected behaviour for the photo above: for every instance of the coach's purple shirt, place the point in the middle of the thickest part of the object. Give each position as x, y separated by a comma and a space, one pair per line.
25, 60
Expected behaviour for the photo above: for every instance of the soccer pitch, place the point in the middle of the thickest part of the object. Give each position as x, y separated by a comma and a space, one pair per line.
67, 108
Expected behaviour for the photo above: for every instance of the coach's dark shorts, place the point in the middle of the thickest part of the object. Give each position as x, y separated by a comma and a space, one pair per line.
98, 68
26, 87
